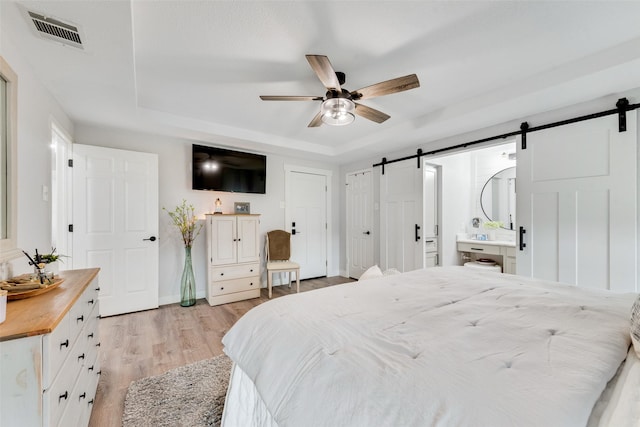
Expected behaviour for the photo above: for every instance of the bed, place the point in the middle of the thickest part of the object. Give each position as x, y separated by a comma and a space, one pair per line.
445, 346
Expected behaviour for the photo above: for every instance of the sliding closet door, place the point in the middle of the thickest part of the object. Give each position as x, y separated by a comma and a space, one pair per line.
576, 201
401, 233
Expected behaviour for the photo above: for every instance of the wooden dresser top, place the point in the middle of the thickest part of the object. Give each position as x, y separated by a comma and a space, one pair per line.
41, 314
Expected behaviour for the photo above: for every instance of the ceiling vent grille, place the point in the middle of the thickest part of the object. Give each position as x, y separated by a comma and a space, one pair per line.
53, 29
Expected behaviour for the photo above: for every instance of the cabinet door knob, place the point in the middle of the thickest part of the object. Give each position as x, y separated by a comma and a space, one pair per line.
222, 274
90, 335
80, 319
64, 343
222, 288
63, 396
81, 356
82, 396
90, 302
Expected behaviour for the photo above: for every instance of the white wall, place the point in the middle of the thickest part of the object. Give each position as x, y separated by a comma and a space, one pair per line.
174, 165
36, 111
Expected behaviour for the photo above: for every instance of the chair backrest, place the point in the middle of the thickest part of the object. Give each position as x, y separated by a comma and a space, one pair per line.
278, 245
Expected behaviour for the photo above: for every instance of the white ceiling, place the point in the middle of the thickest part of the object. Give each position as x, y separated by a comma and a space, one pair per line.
195, 69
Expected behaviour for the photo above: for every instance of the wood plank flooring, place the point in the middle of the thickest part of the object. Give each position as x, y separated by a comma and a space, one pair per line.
138, 345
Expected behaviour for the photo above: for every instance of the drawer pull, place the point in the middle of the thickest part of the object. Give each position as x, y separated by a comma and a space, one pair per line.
429, 241
90, 402
81, 356
90, 335
98, 289
98, 345
63, 396
222, 274
82, 396
90, 302
251, 284
90, 368
65, 343
99, 373
477, 249
251, 270
80, 319
222, 288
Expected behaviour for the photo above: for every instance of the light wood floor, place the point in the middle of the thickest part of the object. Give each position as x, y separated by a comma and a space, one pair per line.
138, 345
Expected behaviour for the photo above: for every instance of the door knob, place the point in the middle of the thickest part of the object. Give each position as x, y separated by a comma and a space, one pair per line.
366, 232
152, 238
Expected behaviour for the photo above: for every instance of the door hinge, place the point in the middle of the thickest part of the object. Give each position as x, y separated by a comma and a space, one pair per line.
326, 227
70, 163
70, 228
437, 259
435, 229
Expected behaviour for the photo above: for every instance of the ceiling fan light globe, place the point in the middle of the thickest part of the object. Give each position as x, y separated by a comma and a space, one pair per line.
338, 111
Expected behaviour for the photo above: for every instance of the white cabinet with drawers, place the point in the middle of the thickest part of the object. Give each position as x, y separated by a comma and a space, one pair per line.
233, 253
49, 347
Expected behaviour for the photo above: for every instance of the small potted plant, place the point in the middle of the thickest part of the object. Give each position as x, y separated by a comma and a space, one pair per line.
40, 262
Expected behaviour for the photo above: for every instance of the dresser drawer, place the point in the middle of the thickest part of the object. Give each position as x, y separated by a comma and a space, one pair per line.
431, 244
57, 346
479, 248
235, 285
234, 271
57, 397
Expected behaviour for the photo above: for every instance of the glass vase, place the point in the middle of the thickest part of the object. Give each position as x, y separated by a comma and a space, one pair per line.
188, 282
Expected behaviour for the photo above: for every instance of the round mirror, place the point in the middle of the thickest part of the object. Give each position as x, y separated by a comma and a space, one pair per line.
498, 198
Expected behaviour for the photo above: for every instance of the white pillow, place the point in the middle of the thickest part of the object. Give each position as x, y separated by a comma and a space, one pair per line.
391, 272
371, 273
635, 325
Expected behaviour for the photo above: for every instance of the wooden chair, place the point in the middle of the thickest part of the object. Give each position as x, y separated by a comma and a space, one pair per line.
278, 254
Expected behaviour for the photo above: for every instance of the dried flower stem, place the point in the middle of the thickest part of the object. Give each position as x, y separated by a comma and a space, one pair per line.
184, 218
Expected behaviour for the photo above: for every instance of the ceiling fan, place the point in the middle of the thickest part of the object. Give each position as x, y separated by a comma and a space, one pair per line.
338, 104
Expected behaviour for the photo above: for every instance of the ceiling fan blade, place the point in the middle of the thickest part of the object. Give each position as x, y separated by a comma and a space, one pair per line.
290, 98
327, 75
370, 113
399, 84
317, 120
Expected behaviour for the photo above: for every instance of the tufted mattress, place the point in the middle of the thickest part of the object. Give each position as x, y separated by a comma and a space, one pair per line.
437, 347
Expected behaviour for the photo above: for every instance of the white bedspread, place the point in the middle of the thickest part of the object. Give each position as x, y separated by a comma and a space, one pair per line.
436, 347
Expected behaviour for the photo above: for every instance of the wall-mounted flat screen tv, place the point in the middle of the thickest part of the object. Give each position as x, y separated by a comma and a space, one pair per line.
219, 169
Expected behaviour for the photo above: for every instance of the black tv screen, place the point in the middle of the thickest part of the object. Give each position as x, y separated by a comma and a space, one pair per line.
219, 169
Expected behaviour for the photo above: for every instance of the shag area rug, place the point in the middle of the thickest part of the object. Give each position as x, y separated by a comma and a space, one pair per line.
188, 396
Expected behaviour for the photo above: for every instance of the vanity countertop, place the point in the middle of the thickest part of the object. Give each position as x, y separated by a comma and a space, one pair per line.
507, 243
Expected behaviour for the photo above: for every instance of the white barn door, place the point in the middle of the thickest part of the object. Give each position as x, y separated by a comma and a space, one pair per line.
359, 222
115, 214
576, 200
401, 233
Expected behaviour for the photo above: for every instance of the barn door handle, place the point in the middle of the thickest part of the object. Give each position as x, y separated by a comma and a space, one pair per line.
522, 243
417, 235
152, 238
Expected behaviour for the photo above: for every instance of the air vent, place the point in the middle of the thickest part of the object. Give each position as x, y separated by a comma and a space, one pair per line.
53, 29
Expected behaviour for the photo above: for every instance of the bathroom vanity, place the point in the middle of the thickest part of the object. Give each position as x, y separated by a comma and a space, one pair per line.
501, 251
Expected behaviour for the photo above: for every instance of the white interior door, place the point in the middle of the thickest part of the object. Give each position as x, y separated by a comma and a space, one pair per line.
115, 215
576, 199
359, 222
61, 195
401, 228
307, 221
431, 224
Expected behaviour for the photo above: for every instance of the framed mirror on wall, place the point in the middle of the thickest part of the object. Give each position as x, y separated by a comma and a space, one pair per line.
498, 198
8, 161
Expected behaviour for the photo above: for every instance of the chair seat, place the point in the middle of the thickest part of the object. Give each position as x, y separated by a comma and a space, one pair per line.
282, 265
